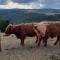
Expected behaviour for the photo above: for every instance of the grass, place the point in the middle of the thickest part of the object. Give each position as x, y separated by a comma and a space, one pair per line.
55, 57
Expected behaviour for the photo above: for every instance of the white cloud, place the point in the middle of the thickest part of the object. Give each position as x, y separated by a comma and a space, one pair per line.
31, 5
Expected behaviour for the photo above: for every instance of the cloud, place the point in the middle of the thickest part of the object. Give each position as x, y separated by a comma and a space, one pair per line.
3, 1
52, 4
29, 4
32, 5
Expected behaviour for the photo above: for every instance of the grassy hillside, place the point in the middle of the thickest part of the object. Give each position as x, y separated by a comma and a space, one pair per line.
35, 17
22, 16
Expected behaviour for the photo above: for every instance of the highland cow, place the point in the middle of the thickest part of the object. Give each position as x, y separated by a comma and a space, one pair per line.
21, 31
48, 29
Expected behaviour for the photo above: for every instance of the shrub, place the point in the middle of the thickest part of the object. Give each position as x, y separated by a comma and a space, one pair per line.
3, 24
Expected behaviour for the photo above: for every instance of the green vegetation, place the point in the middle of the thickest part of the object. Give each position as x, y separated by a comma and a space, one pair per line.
35, 17
3, 24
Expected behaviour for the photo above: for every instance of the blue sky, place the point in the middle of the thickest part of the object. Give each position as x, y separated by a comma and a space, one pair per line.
29, 4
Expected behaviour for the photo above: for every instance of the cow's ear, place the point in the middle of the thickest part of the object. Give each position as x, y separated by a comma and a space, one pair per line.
10, 26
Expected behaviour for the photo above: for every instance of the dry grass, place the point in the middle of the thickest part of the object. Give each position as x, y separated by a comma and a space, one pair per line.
12, 50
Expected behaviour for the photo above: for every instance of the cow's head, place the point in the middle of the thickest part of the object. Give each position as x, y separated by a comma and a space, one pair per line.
8, 30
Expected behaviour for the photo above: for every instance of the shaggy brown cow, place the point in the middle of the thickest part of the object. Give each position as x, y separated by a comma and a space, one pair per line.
53, 30
41, 27
50, 29
21, 31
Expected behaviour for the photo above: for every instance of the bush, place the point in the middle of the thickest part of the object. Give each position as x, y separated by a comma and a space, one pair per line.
3, 24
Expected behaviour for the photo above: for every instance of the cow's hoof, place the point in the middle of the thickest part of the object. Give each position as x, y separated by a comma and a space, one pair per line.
22, 44
45, 45
38, 45
31, 47
54, 43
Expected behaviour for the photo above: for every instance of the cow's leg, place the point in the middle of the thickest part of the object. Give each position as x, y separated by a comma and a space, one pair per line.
45, 40
37, 35
0, 43
59, 42
22, 40
58, 39
36, 40
39, 40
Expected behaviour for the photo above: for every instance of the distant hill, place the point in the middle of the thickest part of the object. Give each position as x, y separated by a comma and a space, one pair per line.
29, 15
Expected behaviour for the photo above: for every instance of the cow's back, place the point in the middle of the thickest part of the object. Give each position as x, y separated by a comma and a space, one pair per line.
29, 29
41, 27
53, 29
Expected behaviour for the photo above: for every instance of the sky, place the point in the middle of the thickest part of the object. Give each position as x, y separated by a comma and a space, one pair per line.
29, 4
